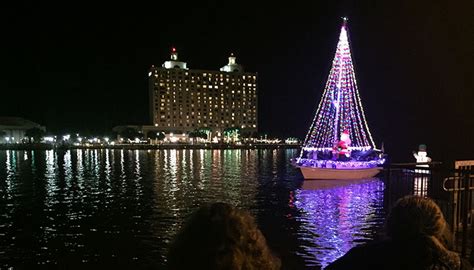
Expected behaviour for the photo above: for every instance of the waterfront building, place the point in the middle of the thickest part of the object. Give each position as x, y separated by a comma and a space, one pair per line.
183, 99
14, 128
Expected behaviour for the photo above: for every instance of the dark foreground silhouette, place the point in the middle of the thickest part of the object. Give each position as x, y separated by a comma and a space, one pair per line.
418, 238
219, 236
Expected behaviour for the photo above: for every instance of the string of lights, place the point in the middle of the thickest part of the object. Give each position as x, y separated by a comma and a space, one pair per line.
340, 108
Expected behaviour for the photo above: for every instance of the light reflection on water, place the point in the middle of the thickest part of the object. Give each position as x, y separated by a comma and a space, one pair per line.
121, 208
337, 215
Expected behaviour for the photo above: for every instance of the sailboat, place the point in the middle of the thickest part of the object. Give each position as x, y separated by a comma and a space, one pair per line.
339, 144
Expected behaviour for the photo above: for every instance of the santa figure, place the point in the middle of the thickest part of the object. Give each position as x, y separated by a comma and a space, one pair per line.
342, 147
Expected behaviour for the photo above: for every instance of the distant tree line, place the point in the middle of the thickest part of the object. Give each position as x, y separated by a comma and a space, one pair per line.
34, 135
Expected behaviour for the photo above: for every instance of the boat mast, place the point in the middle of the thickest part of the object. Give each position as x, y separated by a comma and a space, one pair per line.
337, 104
340, 107
338, 89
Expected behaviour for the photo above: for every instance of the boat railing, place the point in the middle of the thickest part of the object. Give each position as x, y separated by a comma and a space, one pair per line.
335, 164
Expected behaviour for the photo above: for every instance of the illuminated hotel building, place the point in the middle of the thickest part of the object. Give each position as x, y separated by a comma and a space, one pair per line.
183, 100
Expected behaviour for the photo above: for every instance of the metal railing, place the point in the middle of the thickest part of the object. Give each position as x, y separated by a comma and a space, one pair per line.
451, 189
461, 187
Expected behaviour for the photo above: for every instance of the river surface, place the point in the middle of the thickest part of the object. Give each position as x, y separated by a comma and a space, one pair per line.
80, 209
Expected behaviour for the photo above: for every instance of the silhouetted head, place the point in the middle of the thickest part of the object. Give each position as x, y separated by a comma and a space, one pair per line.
415, 217
219, 236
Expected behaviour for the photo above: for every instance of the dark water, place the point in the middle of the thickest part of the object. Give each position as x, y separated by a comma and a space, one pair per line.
83, 209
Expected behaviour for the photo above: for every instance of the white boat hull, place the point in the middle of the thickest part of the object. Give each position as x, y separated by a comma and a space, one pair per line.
329, 174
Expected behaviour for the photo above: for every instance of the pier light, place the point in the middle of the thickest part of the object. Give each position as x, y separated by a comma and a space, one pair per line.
48, 139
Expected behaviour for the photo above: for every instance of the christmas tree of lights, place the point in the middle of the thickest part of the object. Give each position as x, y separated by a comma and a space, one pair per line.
340, 109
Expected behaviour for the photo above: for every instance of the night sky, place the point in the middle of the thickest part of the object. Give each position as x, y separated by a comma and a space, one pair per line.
84, 68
